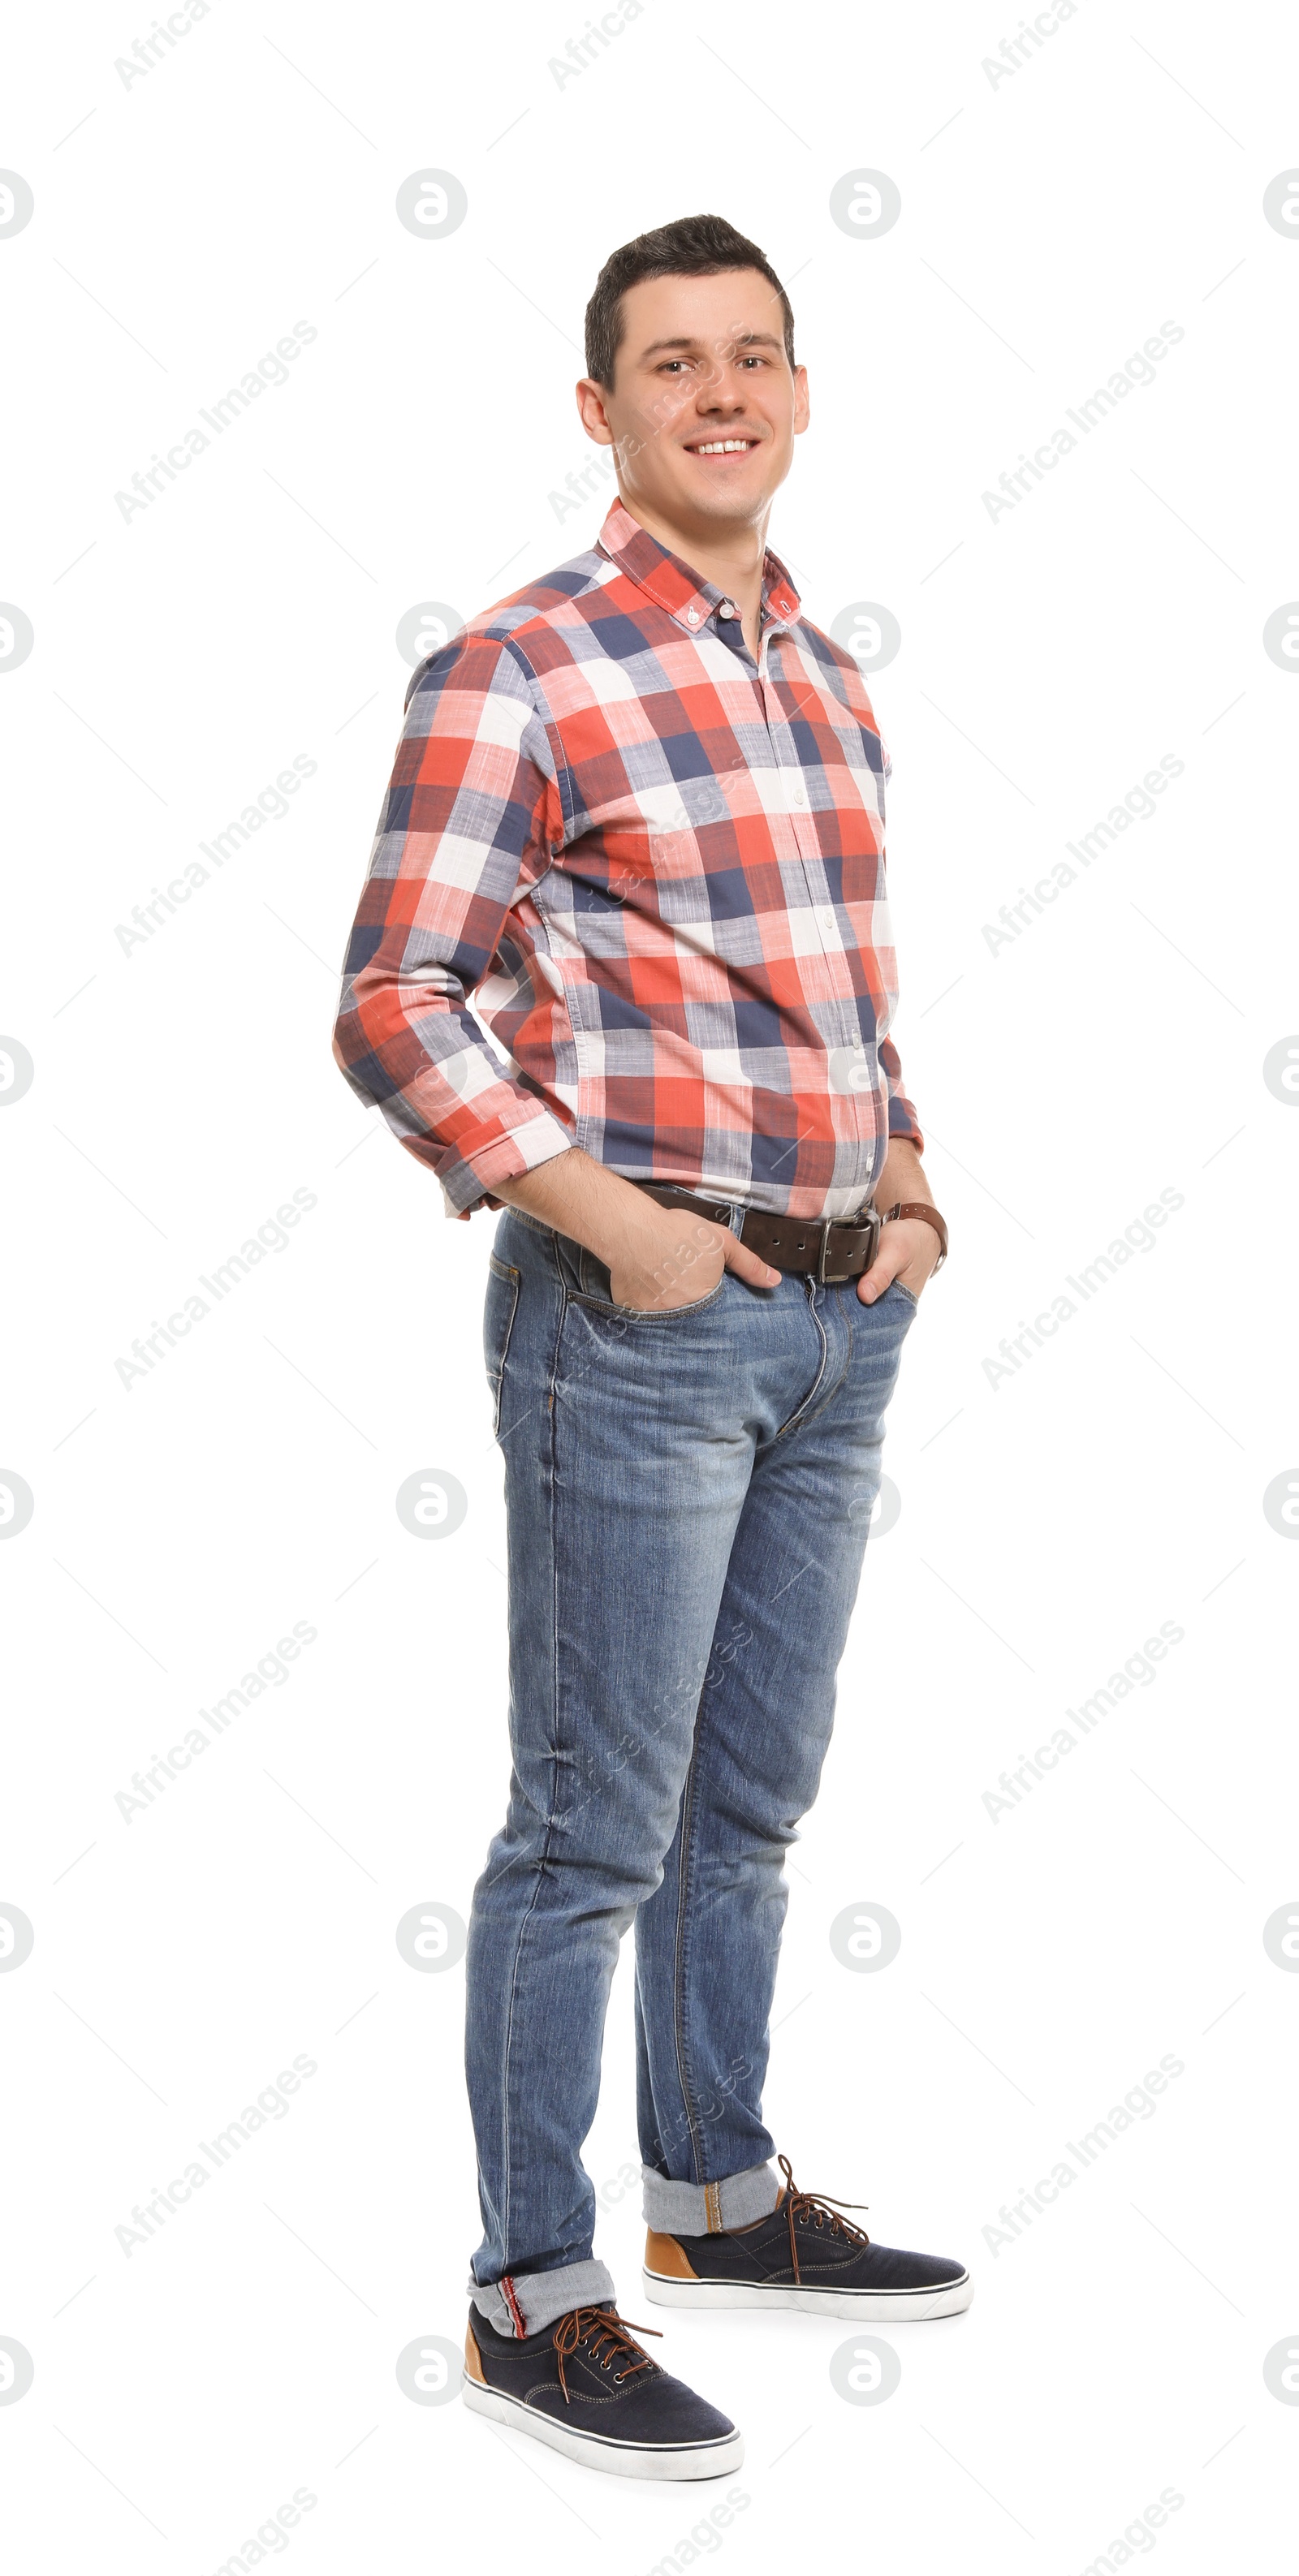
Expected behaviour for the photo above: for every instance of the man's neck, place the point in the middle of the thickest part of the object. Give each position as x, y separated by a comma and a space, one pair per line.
731, 558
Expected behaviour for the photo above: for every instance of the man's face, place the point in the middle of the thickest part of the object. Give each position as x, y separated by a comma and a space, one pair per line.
704, 408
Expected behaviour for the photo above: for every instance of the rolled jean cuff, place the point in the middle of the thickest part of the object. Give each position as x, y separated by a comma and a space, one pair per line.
541, 2297
706, 2208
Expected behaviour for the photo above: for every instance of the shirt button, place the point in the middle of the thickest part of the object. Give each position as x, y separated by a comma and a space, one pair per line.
726, 609
692, 616
827, 920
797, 792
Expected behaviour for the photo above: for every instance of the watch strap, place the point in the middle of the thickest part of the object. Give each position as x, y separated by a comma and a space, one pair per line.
926, 1215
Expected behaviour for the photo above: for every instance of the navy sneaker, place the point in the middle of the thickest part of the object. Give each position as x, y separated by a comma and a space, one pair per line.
803, 2256
585, 2387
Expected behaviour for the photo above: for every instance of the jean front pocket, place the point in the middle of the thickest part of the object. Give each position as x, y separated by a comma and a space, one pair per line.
500, 1306
596, 1289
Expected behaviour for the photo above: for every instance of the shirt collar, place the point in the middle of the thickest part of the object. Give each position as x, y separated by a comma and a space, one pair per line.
672, 585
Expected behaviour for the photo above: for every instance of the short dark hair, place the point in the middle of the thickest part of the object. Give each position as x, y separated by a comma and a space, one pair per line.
693, 246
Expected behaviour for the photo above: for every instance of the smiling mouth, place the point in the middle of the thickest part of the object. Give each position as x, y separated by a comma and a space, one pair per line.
714, 447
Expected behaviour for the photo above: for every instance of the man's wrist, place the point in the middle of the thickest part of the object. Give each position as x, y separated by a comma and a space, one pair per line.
922, 1212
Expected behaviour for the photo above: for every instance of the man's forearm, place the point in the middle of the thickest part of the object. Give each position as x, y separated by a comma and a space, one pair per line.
578, 1196
902, 1178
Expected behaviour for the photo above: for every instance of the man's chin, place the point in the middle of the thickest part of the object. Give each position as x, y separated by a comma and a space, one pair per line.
734, 502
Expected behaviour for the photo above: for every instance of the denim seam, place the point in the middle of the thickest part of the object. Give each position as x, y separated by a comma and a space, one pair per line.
554, 1784
503, 1270
685, 2076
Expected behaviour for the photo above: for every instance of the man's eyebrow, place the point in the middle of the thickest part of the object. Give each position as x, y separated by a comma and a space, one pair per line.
733, 340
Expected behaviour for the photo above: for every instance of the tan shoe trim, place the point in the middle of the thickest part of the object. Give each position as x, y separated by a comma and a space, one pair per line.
473, 2359
663, 2254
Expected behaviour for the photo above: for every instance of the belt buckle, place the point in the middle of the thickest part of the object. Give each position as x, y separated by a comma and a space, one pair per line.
870, 1217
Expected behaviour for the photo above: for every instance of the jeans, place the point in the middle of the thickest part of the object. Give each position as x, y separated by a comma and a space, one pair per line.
688, 1495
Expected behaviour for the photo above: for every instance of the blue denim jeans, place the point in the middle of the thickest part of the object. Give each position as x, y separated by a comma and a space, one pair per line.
688, 1495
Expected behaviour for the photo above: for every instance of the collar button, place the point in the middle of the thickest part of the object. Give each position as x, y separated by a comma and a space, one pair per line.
692, 616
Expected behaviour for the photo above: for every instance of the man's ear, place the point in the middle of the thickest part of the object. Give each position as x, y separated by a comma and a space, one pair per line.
591, 411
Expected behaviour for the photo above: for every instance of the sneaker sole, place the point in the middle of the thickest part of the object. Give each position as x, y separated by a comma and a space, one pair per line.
715, 2459
879, 2306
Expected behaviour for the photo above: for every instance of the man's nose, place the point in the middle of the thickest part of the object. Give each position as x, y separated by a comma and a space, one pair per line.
722, 389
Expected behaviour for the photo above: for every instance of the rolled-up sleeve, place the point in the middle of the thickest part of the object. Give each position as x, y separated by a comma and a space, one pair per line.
902, 1117
469, 822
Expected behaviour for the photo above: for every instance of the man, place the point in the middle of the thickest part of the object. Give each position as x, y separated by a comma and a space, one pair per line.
637, 813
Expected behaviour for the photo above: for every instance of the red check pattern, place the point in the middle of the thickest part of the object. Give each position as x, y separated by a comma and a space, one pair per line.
658, 869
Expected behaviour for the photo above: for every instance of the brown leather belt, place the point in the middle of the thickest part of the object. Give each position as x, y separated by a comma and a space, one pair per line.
829, 1249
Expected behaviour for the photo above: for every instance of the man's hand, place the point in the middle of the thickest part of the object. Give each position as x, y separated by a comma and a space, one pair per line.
659, 1257
908, 1251
656, 1257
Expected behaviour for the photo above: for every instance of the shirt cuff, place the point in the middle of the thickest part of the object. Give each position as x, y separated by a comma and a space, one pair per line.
467, 1185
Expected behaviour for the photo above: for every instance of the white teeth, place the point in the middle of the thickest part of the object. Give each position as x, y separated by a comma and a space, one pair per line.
725, 447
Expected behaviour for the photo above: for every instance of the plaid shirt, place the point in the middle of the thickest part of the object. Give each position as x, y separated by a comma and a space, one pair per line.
658, 869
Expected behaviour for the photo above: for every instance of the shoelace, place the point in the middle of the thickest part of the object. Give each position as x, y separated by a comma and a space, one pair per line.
603, 2331
819, 2205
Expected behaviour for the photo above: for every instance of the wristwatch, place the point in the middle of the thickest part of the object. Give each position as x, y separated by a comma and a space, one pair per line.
928, 1216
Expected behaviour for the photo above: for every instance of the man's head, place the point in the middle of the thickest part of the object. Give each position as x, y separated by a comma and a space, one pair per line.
691, 375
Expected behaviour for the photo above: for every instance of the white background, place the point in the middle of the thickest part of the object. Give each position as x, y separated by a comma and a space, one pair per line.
1049, 1524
